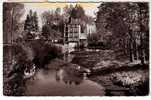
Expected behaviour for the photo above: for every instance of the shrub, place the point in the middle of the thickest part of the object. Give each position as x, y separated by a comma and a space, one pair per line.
44, 52
128, 79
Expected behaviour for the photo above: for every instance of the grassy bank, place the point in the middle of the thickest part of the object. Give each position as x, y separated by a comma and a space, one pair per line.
124, 83
115, 72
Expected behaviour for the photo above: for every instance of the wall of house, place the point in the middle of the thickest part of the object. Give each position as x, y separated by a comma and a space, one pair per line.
90, 28
71, 33
73, 36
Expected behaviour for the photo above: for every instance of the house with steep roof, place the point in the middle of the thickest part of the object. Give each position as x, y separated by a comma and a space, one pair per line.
76, 32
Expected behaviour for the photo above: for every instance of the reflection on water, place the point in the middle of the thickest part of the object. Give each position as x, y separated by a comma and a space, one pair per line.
68, 57
61, 83
67, 78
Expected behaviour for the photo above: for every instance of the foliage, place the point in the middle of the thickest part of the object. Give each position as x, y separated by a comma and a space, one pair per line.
128, 78
12, 26
44, 52
136, 81
31, 22
95, 42
52, 24
67, 9
128, 22
77, 12
46, 30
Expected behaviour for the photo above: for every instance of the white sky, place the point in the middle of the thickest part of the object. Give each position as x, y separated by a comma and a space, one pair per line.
90, 9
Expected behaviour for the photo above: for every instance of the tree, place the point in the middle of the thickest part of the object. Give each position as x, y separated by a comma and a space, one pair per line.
12, 13
139, 28
53, 24
74, 13
109, 21
67, 10
58, 11
46, 31
77, 12
31, 22
27, 25
124, 22
144, 30
35, 20
80, 13
93, 41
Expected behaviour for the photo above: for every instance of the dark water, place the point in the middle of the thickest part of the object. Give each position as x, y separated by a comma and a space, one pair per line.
61, 83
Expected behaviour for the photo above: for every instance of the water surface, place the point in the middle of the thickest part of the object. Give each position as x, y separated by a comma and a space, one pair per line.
61, 83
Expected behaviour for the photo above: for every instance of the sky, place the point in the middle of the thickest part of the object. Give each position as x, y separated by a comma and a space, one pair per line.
90, 8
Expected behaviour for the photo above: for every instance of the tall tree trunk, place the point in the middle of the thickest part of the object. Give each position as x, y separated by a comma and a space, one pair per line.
142, 50
134, 49
131, 50
137, 53
12, 22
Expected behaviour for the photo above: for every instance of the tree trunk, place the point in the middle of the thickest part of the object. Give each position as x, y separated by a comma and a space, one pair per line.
142, 51
131, 51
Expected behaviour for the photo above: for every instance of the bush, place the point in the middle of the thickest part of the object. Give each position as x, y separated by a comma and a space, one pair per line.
128, 79
96, 45
16, 72
44, 52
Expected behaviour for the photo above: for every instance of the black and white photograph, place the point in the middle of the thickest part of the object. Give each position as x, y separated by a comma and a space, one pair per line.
75, 48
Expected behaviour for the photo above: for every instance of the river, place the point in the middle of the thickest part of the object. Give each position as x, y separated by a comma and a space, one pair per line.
61, 83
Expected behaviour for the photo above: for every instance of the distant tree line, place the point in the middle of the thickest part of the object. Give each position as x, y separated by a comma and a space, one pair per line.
53, 21
52, 24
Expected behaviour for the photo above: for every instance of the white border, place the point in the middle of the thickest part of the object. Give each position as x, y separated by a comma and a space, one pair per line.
76, 0
62, 98
98, 0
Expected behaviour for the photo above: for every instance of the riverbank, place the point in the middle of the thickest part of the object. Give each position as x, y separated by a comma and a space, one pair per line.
23, 56
113, 71
124, 83
106, 69
118, 78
